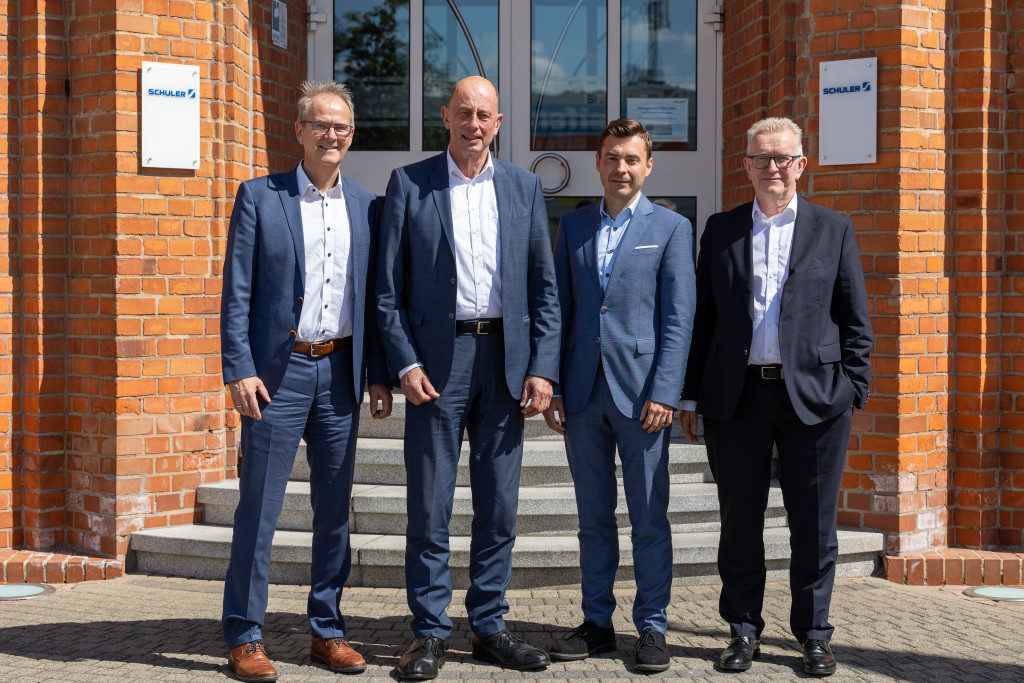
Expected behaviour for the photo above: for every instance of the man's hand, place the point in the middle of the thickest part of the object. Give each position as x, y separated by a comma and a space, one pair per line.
244, 394
536, 395
417, 387
557, 408
688, 421
380, 401
656, 416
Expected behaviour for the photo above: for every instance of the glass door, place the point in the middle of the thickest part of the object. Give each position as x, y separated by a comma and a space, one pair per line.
564, 68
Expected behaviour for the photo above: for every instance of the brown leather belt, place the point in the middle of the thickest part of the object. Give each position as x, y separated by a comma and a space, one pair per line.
323, 348
479, 326
766, 371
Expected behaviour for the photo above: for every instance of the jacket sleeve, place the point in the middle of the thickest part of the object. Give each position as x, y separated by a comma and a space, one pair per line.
376, 359
239, 272
704, 319
392, 278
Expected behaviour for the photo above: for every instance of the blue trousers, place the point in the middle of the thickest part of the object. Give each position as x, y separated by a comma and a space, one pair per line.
476, 398
315, 401
591, 437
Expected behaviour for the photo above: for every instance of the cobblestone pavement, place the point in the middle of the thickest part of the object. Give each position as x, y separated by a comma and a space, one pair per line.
152, 628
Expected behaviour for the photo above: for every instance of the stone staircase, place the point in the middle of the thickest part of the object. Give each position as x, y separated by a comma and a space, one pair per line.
546, 551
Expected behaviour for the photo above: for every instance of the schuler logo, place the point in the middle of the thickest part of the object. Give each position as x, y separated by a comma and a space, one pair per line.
189, 94
864, 87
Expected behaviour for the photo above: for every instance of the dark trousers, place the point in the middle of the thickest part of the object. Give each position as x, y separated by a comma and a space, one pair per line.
475, 398
811, 461
315, 401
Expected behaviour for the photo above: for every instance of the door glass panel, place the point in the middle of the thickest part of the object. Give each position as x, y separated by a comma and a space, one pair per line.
659, 70
371, 56
569, 74
454, 49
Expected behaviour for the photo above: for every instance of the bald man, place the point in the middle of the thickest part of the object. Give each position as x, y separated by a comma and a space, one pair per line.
469, 318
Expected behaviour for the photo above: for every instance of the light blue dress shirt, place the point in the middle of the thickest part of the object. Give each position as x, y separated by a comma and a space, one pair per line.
609, 236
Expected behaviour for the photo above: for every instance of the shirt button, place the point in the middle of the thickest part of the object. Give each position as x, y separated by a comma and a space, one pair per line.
325, 306
328, 279
328, 229
328, 253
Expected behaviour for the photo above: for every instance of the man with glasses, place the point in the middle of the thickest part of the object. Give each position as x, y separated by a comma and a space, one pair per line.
298, 345
779, 357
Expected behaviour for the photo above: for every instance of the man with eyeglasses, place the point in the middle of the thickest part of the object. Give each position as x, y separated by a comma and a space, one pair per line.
299, 343
779, 357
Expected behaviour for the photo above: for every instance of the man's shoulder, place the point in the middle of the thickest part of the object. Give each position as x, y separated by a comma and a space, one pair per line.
355, 188
423, 167
661, 215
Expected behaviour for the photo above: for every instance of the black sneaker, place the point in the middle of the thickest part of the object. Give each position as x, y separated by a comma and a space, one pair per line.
586, 639
651, 652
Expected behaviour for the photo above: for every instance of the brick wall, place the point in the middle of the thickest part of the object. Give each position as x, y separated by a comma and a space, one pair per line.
111, 402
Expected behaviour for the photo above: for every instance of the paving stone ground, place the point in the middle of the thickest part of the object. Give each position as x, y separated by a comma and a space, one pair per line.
153, 628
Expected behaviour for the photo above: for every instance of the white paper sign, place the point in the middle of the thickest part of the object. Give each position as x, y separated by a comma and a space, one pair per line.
848, 112
665, 119
279, 24
170, 115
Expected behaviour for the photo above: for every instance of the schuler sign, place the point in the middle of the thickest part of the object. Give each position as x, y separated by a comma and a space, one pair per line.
848, 112
170, 115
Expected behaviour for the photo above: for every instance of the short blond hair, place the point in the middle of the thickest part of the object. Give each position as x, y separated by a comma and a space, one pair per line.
775, 124
310, 90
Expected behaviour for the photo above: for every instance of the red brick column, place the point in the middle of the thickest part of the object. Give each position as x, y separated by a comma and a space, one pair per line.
9, 187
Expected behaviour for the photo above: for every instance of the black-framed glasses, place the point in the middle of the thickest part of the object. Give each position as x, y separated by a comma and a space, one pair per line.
781, 160
342, 130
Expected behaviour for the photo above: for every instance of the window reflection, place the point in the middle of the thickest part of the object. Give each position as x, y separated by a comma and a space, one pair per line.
569, 73
448, 56
659, 70
371, 56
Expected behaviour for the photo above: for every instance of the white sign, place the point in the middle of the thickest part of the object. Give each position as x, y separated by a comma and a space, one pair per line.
665, 118
279, 24
848, 112
170, 115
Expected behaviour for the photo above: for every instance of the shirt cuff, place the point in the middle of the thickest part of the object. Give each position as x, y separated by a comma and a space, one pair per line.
688, 405
407, 369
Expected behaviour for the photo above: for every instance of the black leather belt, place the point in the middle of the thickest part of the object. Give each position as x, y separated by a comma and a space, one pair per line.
323, 348
766, 371
479, 326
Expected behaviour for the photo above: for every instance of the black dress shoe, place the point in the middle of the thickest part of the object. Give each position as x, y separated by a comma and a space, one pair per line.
505, 649
423, 660
740, 654
651, 652
586, 639
818, 658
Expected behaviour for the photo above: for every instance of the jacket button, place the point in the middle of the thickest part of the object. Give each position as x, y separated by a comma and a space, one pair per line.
453, 281
300, 299
597, 340
292, 333
744, 352
604, 309
451, 315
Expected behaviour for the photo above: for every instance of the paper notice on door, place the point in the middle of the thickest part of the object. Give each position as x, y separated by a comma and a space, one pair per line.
666, 119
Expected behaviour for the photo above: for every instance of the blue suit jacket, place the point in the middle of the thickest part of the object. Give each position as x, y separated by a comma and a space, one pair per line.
824, 328
416, 279
264, 272
639, 329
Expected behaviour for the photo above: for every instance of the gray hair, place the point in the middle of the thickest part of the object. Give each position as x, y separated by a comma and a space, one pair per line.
312, 89
776, 124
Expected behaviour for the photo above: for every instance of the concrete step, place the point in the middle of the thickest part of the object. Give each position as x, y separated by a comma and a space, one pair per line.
393, 427
201, 551
380, 461
542, 510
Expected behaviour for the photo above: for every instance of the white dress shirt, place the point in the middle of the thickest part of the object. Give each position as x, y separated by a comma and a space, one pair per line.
609, 236
477, 246
327, 238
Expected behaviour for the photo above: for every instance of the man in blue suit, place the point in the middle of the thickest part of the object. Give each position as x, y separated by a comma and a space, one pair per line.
626, 289
469, 318
298, 345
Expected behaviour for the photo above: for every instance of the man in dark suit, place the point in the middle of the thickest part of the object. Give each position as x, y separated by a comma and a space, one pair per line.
298, 345
469, 318
625, 278
779, 356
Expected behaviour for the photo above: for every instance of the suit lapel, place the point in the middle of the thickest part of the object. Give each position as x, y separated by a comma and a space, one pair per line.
806, 233
359, 237
503, 195
290, 204
588, 226
442, 198
634, 236
742, 252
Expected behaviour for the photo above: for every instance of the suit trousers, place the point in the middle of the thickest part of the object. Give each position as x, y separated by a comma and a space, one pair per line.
591, 437
475, 399
315, 402
811, 461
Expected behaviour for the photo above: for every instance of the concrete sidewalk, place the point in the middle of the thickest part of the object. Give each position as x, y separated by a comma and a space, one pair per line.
152, 628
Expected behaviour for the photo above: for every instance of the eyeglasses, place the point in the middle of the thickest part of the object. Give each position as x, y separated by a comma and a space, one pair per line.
320, 128
781, 160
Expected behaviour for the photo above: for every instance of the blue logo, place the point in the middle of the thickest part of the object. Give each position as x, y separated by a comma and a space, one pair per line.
189, 94
839, 90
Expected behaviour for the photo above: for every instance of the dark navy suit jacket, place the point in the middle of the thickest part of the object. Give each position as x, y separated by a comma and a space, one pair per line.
824, 327
416, 279
264, 274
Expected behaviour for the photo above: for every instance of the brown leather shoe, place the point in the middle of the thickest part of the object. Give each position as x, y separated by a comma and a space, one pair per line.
337, 655
250, 663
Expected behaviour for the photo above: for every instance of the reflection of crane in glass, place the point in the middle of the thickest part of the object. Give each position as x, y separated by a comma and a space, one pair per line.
657, 18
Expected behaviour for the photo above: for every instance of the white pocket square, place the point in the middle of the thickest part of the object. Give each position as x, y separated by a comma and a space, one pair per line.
647, 246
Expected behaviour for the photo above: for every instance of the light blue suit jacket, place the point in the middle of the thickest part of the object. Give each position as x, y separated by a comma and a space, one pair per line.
640, 329
416, 279
264, 273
